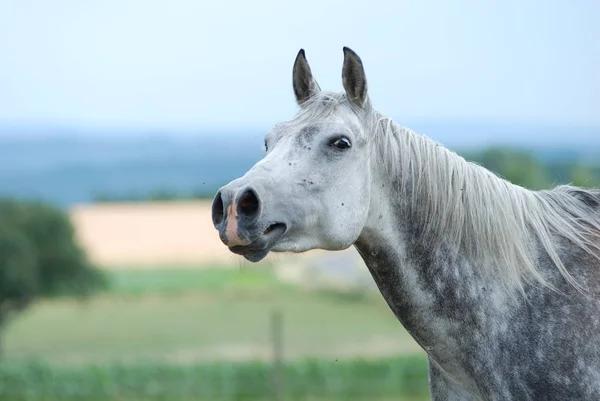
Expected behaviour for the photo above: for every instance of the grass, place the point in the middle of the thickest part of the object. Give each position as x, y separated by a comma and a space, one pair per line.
189, 315
304, 380
189, 321
173, 280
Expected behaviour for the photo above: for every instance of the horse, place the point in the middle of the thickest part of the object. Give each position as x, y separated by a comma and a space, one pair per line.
497, 283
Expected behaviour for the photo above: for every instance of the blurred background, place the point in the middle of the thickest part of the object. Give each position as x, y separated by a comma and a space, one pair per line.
120, 119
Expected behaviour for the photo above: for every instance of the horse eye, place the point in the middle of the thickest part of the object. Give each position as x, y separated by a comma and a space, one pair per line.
341, 143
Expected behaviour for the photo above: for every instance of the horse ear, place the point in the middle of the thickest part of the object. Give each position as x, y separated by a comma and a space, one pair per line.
304, 84
354, 78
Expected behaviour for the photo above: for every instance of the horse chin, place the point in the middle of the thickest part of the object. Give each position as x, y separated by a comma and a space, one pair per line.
258, 249
255, 256
250, 253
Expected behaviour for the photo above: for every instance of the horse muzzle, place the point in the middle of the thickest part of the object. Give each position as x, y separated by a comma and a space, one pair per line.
238, 214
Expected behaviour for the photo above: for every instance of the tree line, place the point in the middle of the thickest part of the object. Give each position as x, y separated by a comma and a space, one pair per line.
39, 257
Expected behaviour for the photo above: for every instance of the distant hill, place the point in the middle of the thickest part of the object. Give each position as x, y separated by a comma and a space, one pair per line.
67, 171
69, 168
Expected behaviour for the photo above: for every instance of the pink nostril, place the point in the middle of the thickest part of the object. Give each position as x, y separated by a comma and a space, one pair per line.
231, 230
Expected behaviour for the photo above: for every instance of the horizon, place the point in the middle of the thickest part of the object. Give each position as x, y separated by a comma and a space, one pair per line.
451, 133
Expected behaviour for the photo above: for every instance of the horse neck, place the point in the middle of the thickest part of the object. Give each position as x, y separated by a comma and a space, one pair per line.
429, 285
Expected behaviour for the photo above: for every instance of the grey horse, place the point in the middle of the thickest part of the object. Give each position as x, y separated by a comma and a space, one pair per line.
499, 285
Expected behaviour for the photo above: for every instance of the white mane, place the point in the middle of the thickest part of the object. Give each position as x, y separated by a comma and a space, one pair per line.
492, 221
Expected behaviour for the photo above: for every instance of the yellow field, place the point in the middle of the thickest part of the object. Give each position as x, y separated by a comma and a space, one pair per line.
144, 234
154, 234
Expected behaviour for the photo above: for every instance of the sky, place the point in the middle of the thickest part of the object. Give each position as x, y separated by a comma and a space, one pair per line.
206, 65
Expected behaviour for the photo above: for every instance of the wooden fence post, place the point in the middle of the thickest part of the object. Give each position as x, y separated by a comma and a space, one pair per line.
278, 369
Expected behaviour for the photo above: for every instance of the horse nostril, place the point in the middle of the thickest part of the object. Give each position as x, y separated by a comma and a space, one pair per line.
217, 210
274, 227
248, 205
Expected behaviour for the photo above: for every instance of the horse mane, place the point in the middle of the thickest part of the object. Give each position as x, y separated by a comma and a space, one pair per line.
493, 222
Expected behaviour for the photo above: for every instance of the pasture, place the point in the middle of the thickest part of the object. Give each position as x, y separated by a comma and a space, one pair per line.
156, 332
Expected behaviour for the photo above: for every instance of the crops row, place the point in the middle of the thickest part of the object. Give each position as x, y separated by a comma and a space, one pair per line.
223, 381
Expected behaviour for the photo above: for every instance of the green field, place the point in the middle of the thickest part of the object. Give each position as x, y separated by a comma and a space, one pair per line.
398, 378
195, 324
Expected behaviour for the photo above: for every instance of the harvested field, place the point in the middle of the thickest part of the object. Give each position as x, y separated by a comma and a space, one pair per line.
154, 234
146, 234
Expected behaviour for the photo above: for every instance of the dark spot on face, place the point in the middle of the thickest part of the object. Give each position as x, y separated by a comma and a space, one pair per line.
342, 203
310, 131
307, 134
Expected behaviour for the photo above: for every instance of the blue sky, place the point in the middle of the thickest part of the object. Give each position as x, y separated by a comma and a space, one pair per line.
198, 65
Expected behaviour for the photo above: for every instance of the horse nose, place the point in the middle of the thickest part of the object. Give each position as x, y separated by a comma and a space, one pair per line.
226, 205
235, 213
